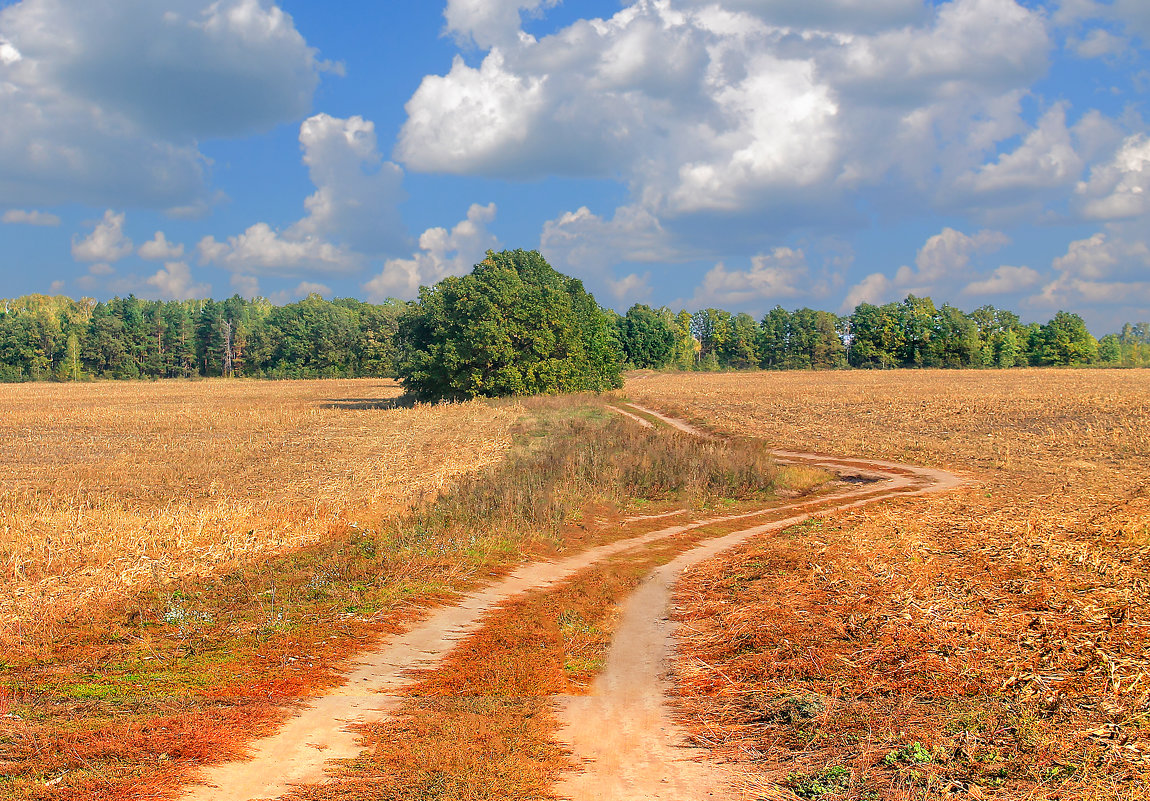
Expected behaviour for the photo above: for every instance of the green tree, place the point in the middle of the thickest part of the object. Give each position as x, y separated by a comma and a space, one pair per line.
774, 331
1110, 349
648, 341
739, 349
686, 353
1066, 341
514, 326
877, 336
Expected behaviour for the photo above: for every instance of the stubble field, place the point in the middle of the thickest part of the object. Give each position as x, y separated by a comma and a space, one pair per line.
109, 488
185, 562
991, 641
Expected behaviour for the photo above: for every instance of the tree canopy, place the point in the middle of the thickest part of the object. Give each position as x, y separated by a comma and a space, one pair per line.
513, 326
517, 326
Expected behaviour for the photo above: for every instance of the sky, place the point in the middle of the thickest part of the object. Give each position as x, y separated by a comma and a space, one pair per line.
739, 154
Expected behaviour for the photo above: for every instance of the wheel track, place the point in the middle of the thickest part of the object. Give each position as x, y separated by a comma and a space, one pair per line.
622, 732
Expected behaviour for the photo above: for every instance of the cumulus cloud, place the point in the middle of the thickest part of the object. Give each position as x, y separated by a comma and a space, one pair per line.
106, 243
582, 239
945, 259
353, 214
1120, 188
1099, 43
782, 274
261, 250
9, 55
104, 100
829, 15
441, 253
1046, 159
174, 282
160, 249
246, 285
1004, 281
301, 291
357, 195
758, 113
490, 22
1109, 270
23, 217
1133, 15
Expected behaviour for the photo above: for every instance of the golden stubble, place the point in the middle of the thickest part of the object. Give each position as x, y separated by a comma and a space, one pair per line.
1023, 596
109, 487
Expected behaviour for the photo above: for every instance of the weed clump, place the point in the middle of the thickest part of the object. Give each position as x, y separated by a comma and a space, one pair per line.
570, 457
830, 781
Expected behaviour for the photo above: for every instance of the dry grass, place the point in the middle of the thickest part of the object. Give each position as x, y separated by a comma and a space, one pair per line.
120, 684
991, 642
109, 488
482, 725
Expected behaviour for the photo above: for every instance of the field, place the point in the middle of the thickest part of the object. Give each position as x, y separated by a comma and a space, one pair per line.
189, 562
109, 488
185, 563
991, 641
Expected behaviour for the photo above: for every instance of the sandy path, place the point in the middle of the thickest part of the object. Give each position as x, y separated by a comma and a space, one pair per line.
627, 709
623, 733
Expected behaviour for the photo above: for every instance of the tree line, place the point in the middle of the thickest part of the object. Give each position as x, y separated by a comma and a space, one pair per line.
911, 333
57, 338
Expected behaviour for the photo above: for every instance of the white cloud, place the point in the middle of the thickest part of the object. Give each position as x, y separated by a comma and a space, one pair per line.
442, 253
875, 288
301, 291
829, 15
1107, 271
106, 243
160, 249
1046, 159
57, 286
260, 250
583, 243
1134, 15
1004, 281
174, 282
782, 274
246, 285
9, 55
489, 22
761, 113
22, 217
357, 195
353, 214
943, 261
104, 100
631, 287
583, 240
1119, 189
1099, 43
101, 269
949, 254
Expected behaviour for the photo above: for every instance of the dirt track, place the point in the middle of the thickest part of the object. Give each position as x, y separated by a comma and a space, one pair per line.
622, 732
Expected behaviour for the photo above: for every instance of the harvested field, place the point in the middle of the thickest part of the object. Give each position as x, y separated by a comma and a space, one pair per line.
994, 641
125, 687
107, 488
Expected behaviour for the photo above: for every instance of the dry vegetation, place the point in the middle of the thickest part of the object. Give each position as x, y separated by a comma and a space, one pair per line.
108, 488
191, 560
991, 642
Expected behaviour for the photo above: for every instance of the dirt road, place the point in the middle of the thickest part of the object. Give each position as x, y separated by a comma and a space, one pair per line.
622, 732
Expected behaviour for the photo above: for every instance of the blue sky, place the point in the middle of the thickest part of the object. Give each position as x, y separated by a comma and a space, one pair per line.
730, 153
